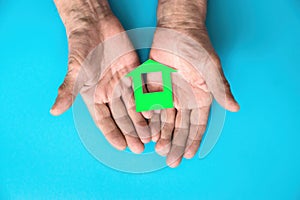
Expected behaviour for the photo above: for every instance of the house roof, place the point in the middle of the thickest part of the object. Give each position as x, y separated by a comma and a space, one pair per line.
150, 66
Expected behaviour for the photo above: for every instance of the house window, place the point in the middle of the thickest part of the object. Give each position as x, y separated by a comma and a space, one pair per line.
154, 79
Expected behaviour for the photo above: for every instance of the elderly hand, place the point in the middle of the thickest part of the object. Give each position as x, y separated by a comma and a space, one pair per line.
181, 42
95, 69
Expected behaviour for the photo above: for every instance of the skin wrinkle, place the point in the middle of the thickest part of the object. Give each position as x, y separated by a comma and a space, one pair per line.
70, 11
139, 122
181, 14
211, 67
130, 64
184, 46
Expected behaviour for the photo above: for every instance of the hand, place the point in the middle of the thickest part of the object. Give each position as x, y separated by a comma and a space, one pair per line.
95, 69
181, 41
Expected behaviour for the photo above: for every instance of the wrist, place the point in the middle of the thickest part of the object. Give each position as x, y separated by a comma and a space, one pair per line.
77, 12
181, 14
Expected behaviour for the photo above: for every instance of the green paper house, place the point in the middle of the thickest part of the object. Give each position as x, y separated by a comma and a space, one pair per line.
154, 100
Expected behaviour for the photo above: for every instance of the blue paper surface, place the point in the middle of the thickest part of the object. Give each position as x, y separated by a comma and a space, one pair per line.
256, 157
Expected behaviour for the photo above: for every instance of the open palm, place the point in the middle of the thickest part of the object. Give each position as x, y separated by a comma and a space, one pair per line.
199, 77
95, 70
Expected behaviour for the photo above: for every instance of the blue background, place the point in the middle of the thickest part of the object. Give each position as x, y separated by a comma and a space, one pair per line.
257, 156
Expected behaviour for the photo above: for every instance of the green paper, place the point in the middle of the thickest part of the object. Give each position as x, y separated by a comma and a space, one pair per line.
155, 100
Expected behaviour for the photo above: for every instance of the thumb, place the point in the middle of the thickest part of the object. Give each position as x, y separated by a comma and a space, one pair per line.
67, 91
219, 86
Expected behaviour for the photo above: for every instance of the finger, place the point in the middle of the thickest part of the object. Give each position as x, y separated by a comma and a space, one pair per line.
68, 89
163, 145
219, 86
154, 125
108, 127
125, 124
179, 138
139, 122
154, 84
147, 114
198, 121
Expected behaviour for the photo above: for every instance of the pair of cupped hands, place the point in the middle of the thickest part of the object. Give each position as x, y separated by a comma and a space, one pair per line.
180, 41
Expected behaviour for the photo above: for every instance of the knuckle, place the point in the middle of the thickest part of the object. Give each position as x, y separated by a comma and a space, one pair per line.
62, 88
141, 123
226, 83
72, 61
167, 126
216, 59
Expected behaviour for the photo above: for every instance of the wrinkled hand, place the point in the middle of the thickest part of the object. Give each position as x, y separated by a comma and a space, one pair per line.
181, 42
96, 71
